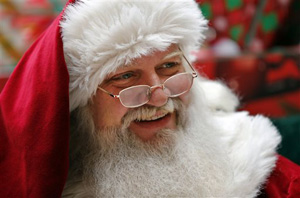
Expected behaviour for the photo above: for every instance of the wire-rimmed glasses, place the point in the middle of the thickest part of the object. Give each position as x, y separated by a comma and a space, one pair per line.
138, 95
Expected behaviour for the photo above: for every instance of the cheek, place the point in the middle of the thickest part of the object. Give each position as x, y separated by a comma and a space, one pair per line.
185, 98
107, 111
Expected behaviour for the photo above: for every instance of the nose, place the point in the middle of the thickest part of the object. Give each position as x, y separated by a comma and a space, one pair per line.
158, 97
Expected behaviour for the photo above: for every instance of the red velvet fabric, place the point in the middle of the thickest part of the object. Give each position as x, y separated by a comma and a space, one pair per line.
284, 181
34, 127
34, 121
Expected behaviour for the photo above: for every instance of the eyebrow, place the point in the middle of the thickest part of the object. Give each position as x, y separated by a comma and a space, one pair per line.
172, 54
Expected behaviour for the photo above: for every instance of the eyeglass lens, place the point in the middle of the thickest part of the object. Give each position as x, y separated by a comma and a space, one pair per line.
178, 84
138, 95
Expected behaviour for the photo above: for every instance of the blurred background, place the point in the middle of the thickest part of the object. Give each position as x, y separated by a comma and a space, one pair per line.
252, 45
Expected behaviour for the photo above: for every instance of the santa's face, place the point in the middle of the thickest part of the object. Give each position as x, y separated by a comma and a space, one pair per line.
150, 70
168, 157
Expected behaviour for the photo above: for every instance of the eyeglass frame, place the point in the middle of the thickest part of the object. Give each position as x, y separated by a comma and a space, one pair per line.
193, 73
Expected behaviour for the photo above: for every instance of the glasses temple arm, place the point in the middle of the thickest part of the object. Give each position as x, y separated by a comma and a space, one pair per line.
112, 95
194, 73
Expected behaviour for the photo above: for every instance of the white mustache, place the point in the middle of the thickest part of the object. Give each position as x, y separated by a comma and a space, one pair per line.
148, 113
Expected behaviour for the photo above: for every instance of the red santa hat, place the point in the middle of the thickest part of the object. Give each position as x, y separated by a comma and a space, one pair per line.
100, 36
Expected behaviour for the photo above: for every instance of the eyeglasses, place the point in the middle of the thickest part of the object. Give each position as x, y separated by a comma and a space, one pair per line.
174, 86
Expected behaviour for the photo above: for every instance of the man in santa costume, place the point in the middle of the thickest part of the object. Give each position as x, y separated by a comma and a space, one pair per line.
107, 104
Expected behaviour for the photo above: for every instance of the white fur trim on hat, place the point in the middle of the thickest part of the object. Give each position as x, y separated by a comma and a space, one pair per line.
101, 35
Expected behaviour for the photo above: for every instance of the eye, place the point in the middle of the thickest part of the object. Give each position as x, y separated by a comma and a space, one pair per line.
169, 68
124, 79
123, 76
126, 76
170, 64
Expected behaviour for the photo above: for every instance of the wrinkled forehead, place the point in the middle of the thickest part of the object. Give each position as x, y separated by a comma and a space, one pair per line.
154, 59
172, 51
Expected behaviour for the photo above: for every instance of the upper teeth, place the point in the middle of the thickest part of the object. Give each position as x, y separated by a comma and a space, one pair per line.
154, 117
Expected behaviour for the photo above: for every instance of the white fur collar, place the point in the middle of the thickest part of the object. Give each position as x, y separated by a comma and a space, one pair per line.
251, 140
252, 143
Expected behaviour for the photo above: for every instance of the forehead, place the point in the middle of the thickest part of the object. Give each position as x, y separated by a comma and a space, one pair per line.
156, 57
149, 61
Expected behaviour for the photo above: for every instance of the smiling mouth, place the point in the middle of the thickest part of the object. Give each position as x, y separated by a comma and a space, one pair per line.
150, 118
153, 118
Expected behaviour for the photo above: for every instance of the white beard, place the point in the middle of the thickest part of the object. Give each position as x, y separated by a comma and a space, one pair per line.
186, 169
213, 154
180, 163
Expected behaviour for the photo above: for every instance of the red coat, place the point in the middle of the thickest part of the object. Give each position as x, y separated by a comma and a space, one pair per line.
284, 181
34, 127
